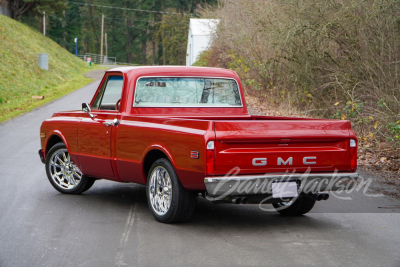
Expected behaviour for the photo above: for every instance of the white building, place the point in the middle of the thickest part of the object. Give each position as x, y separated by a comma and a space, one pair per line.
200, 31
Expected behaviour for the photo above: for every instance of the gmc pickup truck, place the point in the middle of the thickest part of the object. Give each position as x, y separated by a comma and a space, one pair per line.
185, 133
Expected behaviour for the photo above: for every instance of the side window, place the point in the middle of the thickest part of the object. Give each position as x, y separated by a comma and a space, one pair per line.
109, 94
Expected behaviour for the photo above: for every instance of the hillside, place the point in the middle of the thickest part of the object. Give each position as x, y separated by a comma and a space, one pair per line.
21, 77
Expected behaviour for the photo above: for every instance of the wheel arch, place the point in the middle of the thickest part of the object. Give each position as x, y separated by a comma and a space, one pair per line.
55, 137
151, 155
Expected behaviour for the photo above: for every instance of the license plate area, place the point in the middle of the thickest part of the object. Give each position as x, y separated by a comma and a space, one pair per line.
285, 188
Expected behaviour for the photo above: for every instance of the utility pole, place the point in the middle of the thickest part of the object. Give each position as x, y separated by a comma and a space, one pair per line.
163, 37
102, 30
44, 23
105, 36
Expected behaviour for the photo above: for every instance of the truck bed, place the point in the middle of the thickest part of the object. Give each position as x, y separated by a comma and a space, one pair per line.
240, 139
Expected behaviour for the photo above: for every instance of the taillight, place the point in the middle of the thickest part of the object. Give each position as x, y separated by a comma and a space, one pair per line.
210, 158
353, 155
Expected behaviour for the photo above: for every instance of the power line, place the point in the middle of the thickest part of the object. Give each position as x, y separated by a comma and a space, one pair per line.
139, 28
143, 29
150, 21
125, 8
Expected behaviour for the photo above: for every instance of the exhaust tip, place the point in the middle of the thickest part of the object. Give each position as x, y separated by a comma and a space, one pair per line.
319, 197
245, 200
236, 200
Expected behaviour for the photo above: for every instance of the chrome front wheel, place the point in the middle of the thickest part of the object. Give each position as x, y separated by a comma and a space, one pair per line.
63, 174
63, 171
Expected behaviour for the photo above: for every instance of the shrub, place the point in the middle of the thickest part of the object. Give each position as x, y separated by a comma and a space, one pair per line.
328, 57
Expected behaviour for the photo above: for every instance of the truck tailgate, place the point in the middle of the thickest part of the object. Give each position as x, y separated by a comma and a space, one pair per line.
265, 146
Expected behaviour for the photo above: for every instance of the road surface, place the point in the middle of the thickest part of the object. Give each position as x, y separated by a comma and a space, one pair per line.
110, 225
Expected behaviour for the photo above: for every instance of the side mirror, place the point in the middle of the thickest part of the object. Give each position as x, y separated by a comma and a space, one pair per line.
86, 108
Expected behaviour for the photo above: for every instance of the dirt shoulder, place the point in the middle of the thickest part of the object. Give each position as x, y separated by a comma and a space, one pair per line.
384, 164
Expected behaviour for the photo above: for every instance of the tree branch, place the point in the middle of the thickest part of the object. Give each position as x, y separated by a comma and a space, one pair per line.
25, 7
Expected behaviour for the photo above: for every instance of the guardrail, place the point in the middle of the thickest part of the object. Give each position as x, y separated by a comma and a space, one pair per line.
98, 59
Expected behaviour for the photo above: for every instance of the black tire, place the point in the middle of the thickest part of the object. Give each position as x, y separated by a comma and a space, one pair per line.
300, 206
80, 184
182, 201
89, 184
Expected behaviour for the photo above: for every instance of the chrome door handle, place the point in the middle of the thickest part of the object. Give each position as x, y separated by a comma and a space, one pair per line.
115, 122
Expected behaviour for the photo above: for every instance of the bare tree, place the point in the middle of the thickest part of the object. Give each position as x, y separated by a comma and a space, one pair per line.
20, 7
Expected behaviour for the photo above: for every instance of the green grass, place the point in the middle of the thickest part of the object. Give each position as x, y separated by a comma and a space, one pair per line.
21, 78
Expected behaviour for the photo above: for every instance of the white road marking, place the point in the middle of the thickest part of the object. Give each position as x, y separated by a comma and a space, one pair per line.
119, 259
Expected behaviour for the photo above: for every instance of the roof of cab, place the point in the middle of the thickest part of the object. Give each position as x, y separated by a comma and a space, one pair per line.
176, 71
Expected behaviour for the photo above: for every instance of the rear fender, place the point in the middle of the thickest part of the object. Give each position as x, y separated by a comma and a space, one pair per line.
160, 148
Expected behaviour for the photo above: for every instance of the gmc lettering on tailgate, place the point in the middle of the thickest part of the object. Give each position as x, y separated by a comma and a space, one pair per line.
280, 161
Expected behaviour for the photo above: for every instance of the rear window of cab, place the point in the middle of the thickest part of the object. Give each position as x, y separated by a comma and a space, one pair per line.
186, 92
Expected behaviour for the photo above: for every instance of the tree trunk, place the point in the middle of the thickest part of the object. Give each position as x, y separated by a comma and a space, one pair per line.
144, 52
154, 51
182, 50
163, 46
94, 45
129, 42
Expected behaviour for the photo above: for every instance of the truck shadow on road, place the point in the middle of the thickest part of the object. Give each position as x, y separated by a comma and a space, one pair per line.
121, 197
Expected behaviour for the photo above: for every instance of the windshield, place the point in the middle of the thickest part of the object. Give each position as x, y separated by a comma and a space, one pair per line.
187, 92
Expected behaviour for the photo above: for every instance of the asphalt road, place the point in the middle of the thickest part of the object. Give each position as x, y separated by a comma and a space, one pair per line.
110, 225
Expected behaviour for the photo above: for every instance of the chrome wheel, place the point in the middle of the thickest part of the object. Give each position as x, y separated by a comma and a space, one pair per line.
160, 190
63, 171
295, 207
286, 204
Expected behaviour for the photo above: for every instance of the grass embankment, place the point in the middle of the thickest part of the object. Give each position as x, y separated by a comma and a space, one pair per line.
21, 78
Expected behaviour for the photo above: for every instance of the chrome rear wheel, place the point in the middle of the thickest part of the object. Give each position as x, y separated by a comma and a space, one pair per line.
168, 200
160, 190
295, 207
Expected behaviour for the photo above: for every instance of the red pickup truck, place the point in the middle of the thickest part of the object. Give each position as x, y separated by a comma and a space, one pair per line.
185, 132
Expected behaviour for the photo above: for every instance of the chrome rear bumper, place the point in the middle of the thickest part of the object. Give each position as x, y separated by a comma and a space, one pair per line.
262, 184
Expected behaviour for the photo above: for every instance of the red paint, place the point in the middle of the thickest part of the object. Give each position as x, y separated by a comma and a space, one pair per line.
118, 152
210, 161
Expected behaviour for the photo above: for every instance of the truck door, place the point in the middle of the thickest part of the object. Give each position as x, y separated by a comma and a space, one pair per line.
94, 138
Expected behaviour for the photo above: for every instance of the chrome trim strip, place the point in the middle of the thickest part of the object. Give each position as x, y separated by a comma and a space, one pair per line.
234, 185
134, 95
278, 176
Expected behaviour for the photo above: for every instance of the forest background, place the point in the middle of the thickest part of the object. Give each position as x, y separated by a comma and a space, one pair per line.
145, 32
335, 59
